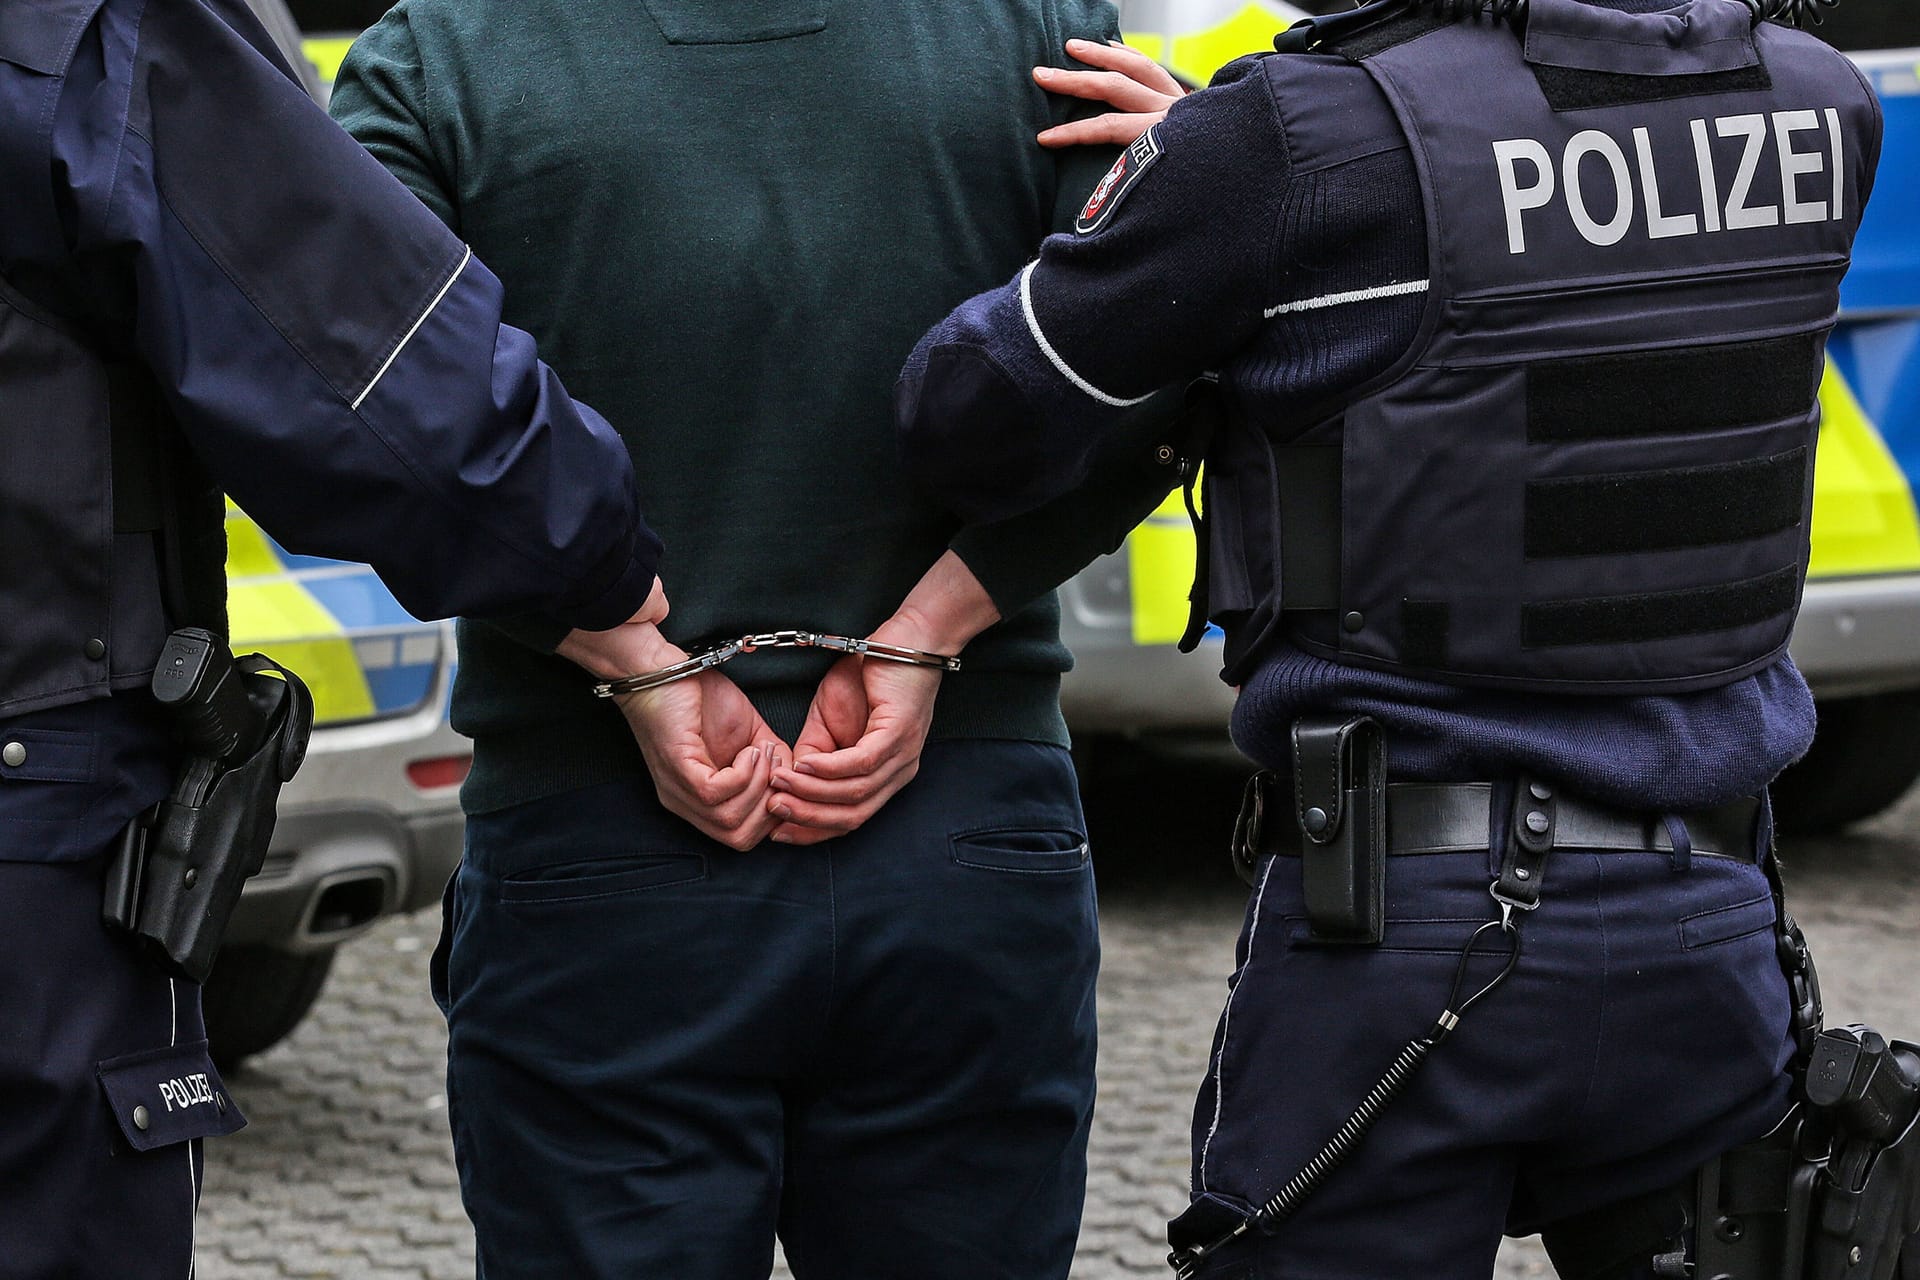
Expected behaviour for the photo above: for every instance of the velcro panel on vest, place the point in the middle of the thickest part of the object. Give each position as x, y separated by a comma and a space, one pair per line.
1653, 393
1666, 510
1574, 89
1661, 615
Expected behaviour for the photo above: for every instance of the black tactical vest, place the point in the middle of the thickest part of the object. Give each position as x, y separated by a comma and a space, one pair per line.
1593, 472
111, 535
110, 532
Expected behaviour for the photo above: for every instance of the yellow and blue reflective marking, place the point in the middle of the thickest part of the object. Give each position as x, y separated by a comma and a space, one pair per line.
1864, 519
1864, 514
336, 624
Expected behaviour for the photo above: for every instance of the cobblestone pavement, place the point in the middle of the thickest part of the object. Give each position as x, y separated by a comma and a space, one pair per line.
346, 1172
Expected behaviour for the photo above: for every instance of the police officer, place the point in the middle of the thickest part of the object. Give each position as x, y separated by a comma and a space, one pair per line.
208, 287
1518, 319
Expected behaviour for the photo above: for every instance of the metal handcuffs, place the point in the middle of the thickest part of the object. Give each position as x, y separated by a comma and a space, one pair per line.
727, 650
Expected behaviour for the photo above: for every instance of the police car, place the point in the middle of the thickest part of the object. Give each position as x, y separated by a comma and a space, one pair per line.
371, 825
1858, 638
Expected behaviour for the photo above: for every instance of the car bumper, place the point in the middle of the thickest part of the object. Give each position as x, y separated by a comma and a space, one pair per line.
1118, 686
1859, 636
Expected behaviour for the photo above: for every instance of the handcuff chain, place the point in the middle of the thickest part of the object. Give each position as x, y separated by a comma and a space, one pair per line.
727, 650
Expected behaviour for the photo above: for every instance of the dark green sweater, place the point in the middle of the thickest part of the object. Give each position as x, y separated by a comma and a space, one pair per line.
727, 222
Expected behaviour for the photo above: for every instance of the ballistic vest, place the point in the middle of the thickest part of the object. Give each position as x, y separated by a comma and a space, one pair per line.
1593, 470
111, 534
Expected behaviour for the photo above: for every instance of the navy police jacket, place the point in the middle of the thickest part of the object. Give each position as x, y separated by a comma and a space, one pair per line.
190, 244
1520, 392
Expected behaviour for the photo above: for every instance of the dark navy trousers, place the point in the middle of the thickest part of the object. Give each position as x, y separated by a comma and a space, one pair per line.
1644, 1031
663, 1051
89, 1032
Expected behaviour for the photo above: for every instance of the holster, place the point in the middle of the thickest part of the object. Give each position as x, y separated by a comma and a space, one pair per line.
180, 870
1832, 1193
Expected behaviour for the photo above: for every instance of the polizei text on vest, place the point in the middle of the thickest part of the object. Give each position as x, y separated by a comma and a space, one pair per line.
1688, 191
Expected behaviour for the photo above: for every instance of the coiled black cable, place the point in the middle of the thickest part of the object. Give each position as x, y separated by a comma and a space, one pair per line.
1341, 1145
1186, 1262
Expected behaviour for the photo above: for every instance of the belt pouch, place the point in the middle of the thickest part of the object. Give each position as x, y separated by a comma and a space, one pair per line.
1340, 802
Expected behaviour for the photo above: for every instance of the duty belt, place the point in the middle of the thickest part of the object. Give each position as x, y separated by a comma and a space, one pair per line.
1457, 818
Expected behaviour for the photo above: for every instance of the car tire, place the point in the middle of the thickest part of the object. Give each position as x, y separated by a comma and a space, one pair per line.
1864, 758
256, 996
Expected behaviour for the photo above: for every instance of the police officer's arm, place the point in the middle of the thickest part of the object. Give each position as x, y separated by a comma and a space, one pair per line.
1016, 561
331, 351
381, 99
1005, 404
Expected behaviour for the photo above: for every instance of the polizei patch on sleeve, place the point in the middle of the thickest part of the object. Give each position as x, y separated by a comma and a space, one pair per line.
1120, 179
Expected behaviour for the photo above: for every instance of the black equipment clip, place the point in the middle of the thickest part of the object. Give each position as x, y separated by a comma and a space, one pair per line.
1530, 830
180, 868
1249, 826
1340, 804
1198, 424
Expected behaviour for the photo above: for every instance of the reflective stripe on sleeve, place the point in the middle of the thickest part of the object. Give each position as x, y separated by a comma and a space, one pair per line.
1046, 348
437, 298
1353, 295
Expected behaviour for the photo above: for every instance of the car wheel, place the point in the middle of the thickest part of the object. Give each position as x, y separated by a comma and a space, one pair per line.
256, 996
1864, 758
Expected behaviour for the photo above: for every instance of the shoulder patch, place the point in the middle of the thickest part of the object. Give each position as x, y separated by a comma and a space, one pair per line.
1120, 179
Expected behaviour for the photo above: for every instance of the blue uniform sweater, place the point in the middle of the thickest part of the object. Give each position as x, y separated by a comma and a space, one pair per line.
1181, 266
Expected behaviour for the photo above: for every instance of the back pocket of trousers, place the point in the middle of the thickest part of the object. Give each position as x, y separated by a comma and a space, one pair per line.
1726, 923
736, 21
602, 877
1021, 849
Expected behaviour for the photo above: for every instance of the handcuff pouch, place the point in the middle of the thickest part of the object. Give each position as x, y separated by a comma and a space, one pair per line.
1340, 803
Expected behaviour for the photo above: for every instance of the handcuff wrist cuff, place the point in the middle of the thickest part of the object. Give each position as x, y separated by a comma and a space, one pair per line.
727, 650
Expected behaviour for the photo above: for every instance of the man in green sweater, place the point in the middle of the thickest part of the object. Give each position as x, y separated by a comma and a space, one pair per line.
712, 969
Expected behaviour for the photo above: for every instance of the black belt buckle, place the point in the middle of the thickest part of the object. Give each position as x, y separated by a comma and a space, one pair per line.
1340, 802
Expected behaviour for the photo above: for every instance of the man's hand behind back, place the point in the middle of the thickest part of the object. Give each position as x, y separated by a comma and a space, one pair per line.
860, 745
869, 720
708, 751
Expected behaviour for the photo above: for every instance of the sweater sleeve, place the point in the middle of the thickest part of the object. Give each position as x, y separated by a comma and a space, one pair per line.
1021, 558
382, 98
1005, 404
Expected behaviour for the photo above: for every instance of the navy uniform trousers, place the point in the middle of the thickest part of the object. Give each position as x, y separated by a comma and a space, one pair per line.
88, 1033
1644, 1031
662, 1051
